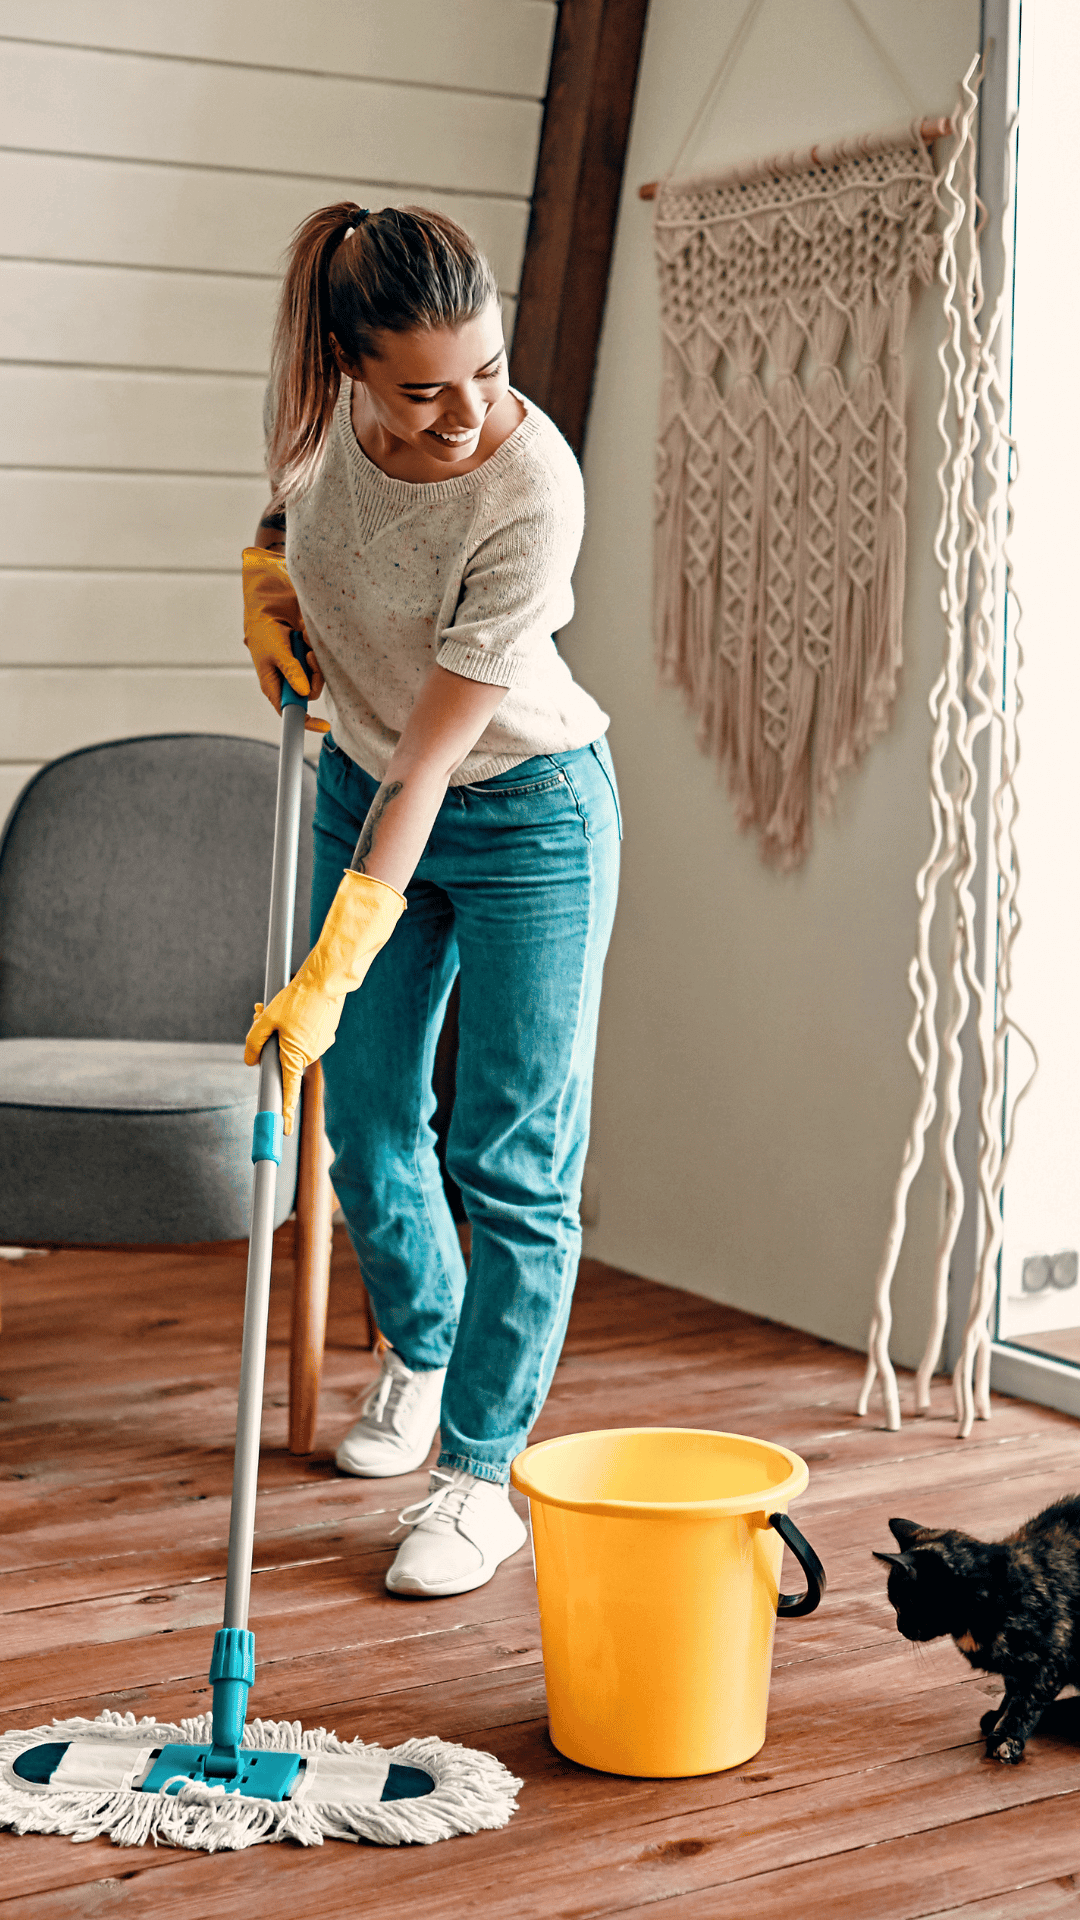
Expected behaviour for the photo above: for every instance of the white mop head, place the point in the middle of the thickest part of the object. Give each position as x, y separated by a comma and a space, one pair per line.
472, 1790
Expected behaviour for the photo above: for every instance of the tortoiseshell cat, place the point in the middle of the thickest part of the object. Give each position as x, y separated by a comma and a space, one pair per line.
1012, 1606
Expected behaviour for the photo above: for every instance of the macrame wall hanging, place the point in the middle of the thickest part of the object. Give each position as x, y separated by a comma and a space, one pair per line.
785, 290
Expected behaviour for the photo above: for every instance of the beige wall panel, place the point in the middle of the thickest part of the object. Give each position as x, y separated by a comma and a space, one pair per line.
483, 45
131, 214
45, 712
13, 778
142, 231
124, 317
121, 619
126, 520
53, 98
158, 423
166, 423
117, 316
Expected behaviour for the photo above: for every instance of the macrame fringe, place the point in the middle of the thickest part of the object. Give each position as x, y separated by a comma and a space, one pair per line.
473, 1792
781, 468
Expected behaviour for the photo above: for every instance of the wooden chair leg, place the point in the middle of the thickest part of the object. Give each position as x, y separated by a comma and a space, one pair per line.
311, 1272
371, 1331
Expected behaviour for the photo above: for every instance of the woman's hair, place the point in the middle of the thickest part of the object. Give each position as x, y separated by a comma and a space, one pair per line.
394, 271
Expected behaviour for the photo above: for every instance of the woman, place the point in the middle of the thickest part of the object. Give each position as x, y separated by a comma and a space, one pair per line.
429, 519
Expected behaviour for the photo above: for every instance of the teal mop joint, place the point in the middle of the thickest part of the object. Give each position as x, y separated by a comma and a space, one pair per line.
232, 1673
267, 1138
219, 1781
226, 1763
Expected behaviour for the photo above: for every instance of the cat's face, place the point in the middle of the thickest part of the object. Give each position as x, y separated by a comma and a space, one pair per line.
926, 1592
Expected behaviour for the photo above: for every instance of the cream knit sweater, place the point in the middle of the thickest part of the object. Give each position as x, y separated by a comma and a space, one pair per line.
472, 572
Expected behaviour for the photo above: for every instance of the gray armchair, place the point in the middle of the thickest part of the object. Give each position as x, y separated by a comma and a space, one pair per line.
134, 888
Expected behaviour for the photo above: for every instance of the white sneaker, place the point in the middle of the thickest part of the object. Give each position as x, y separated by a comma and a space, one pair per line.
458, 1536
398, 1421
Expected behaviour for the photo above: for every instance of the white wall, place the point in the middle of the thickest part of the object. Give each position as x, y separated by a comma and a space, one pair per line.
753, 1088
155, 159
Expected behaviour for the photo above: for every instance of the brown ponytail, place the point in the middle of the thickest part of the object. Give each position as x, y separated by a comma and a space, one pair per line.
400, 269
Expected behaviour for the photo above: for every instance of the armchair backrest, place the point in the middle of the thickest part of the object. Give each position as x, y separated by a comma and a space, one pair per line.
135, 889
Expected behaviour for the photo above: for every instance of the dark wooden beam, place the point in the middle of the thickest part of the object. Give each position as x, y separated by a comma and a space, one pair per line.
594, 68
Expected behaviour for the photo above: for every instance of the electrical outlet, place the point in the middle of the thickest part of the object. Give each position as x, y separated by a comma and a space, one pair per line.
1046, 1273
1041, 1270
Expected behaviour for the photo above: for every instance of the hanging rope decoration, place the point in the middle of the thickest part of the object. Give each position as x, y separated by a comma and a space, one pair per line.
785, 290
975, 473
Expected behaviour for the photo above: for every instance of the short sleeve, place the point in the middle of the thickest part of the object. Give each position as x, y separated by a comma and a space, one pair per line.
515, 594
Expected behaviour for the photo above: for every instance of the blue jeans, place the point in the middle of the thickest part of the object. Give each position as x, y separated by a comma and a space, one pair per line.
516, 888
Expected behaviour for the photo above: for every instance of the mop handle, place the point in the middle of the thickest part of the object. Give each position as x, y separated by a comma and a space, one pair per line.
266, 1153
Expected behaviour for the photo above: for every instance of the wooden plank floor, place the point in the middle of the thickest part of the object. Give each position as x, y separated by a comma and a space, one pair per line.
871, 1796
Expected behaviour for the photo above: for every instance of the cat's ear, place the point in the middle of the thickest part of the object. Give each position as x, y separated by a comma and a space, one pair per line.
905, 1531
895, 1560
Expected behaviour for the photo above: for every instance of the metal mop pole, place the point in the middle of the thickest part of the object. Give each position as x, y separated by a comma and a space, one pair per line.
233, 1667
262, 1771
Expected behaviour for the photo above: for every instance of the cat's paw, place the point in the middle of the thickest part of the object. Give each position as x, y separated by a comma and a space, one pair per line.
989, 1720
1009, 1752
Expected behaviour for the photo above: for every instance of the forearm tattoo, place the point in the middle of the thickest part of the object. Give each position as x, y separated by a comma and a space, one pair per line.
371, 825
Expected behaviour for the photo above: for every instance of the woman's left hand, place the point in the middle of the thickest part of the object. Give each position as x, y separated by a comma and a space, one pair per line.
305, 1014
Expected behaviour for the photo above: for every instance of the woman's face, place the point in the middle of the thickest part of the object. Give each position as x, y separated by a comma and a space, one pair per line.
429, 393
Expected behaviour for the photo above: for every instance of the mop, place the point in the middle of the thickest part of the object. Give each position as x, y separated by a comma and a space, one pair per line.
218, 1781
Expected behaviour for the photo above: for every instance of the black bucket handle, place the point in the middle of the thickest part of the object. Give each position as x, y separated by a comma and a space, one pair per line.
789, 1606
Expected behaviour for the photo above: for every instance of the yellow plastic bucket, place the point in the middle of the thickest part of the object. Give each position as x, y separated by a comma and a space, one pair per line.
658, 1554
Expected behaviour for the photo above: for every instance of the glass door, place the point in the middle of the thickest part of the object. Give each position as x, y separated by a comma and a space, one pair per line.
1039, 1280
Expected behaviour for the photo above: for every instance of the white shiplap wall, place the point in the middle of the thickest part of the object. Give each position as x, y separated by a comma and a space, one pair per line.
154, 160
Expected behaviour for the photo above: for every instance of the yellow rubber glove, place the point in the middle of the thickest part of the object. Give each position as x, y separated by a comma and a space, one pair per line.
271, 613
362, 916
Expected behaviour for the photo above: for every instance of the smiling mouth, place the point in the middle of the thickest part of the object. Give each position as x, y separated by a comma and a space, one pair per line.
453, 439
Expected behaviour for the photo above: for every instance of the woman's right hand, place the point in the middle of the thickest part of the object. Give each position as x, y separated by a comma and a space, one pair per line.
271, 615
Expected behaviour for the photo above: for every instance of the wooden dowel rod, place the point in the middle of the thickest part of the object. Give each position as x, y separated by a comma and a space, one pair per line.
929, 130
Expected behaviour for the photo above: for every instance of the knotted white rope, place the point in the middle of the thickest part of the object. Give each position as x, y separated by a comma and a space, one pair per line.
975, 474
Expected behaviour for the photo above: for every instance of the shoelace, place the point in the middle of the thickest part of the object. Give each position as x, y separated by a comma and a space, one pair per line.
377, 1399
443, 1504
